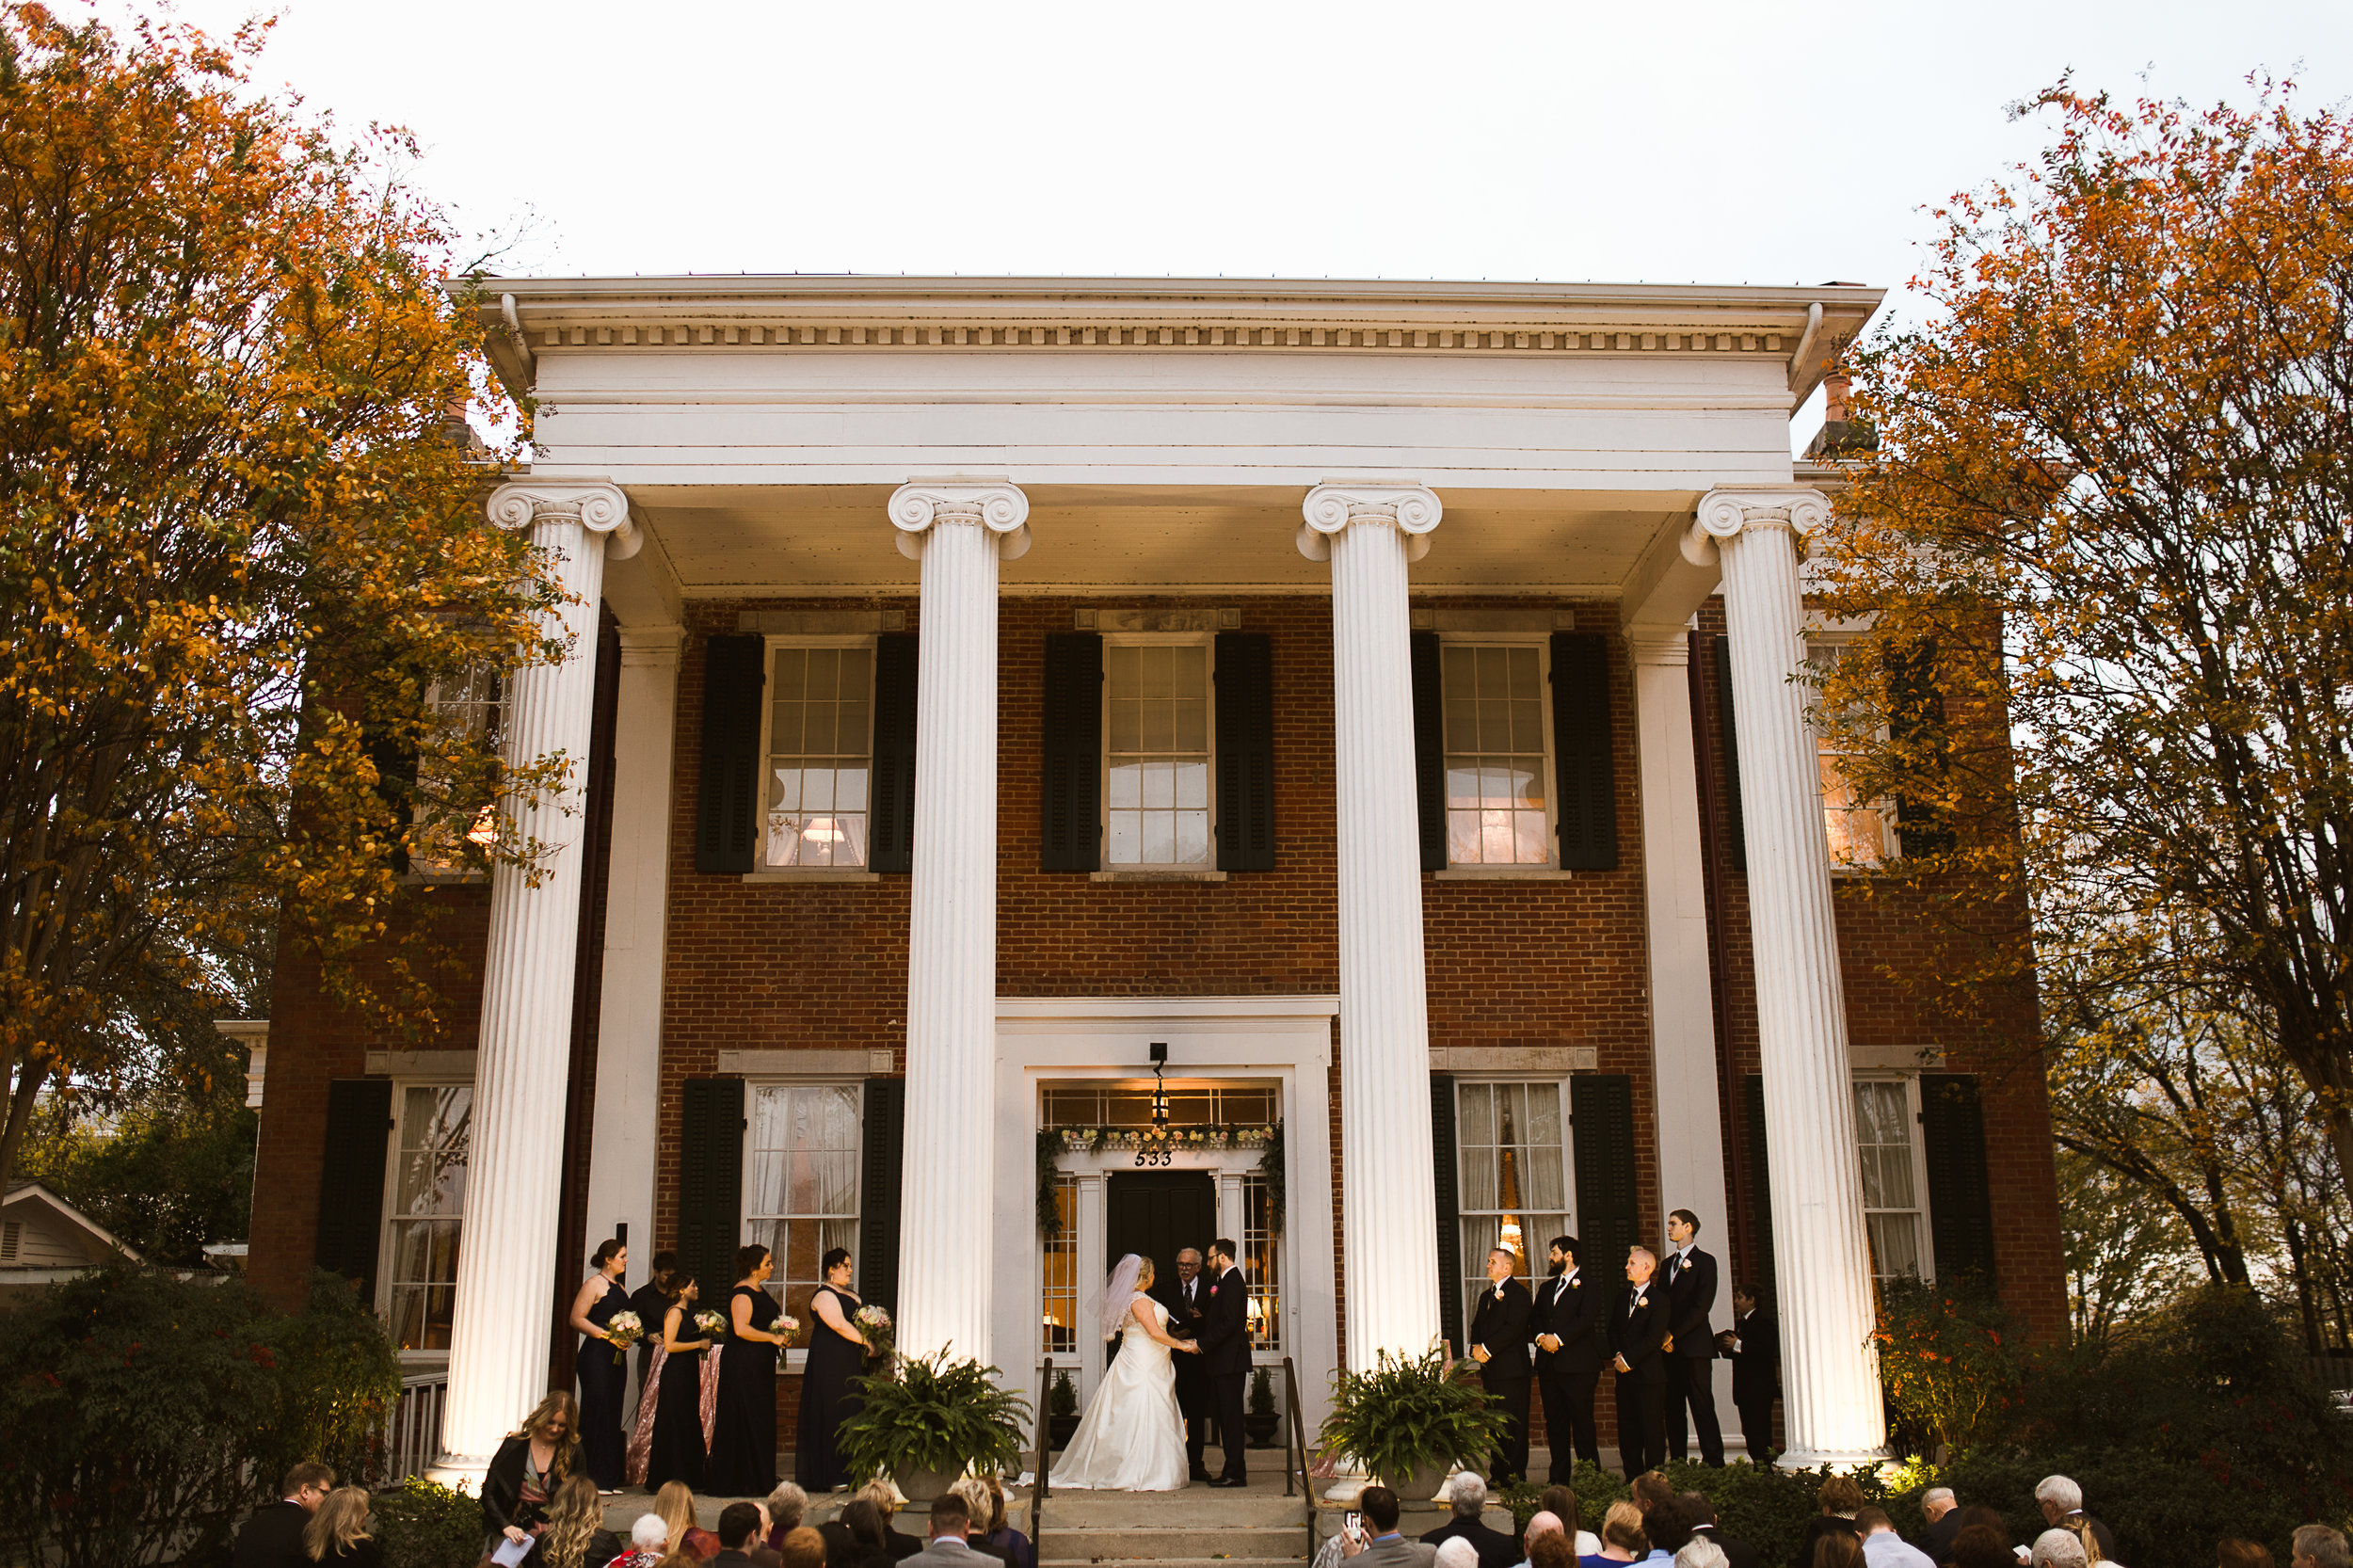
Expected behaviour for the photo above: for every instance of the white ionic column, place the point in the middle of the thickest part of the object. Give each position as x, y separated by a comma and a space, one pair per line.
1370, 532
636, 904
1682, 1019
498, 1353
1822, 1274
957, 530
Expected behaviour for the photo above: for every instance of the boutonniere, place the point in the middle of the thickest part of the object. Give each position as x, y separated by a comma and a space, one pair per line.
1577, 1284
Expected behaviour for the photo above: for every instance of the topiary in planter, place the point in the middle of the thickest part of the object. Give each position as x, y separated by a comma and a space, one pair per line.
934, 1417
1407, 1416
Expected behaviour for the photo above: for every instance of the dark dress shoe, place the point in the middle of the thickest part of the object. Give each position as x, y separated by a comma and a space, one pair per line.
1229, 1480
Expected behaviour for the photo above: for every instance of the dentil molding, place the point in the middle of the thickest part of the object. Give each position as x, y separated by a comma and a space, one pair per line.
1412, 509
1799, 510
598, 505
997, 505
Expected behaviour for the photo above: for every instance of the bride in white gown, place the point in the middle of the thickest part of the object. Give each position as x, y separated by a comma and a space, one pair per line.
1132, 1439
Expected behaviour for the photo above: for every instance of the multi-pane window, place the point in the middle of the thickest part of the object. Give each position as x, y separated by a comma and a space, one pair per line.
1261, 1264
1495, 800
1512, 1175
1857, 827
1157, 753
1058, 1329
433, 1134
821, 750
1891, 1188
801, 1185
465, 705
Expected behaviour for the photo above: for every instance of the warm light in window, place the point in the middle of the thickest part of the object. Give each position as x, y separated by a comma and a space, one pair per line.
485, 831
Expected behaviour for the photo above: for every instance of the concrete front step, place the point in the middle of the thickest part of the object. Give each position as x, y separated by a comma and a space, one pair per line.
1171, 1542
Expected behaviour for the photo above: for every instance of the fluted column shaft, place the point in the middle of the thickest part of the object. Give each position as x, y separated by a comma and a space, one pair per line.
1394, 1272
499, 1338
1831, 1396
958, 533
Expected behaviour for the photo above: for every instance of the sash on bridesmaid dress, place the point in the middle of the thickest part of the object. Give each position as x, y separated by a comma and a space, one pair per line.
640, 1435
710, 1402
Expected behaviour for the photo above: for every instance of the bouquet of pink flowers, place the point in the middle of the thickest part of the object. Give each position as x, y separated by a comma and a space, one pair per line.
874, 1323
713, 1324
786, 1324
623, 1329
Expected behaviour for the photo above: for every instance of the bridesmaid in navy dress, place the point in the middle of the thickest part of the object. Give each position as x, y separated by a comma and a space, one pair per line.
837, 1353
743, 1430
603, 1377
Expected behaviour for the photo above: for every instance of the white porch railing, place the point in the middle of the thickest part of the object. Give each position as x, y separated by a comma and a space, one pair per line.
414, 1428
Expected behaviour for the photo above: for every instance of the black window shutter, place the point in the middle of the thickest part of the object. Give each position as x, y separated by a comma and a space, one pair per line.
1584, 751
1601, 1117
1429, 747
710, 1182
1760, 1181
1960, 1204
878, 1203
727, 823
1449, 1209
1917, 715
891, 832
1732, 756
351, 1179
1245, 752
1069, 794
395, 763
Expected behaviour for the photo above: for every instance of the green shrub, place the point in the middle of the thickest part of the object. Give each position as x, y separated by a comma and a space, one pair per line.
420, 1524
338, 1377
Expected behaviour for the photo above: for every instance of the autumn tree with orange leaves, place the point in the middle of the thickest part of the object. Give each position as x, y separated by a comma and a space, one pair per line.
239, 544
2105, 540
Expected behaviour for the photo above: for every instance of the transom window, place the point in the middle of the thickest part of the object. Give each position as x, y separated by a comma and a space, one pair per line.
1857, 827
1890, 1186
821, 750
434, 1135
1157, 754
801, 1184
1496, 805
1512, 1175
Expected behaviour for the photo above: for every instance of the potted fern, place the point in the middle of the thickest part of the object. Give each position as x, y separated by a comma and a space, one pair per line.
1410, 1418
932, 1421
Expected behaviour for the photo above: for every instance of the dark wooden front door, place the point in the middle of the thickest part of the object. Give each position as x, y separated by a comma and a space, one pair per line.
1153, 1213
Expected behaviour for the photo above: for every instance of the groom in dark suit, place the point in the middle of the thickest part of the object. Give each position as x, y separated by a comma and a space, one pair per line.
1224, 1335
1184, 1294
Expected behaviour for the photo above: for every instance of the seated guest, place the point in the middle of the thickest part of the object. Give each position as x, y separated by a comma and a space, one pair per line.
1737, 1553
2317, 1546
1385, 1547
1982, 1547
1882, 1548
2234, 1552
1542, 1522
649, 1544
1700, 1552
949, 1545
1943, 1511
1649, 1489
273, 1537
338, 1532
803, 1548
974, 1492
739, 1527
531, 1462
785, 1508
1001, 1533
1623, 1539
2062, 1503
855, 1539
2059, 1548
1468, 1500
1561, 1502
1668, 1523
897, 1542
1838, 1550
575, 1535
1455, 1552
1840, 1498
1551, 1551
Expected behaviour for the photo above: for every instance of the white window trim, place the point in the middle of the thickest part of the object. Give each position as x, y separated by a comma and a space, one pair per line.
1206, 870
388, 1219
762, 871
1919, 1161
1884, 807
1535, 1256
793, 1358
1548, 868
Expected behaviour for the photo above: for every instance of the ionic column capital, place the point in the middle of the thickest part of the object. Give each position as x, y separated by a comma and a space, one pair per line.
1796, 510
1413, 511
597, 505
997, 505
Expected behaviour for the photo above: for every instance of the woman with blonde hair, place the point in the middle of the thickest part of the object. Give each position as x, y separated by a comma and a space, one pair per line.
338, 1532
675, 1503
536, 1459
575, 1535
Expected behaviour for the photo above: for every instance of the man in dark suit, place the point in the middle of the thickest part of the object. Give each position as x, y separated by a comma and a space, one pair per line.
1638, 1329
1752, 1345
1737, 1553
1500, 1342
273, 1537
1224, 1335
1691, 1351
1571, 1319
1183, 1294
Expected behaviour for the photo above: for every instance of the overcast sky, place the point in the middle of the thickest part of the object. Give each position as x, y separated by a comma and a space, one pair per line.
1714, 142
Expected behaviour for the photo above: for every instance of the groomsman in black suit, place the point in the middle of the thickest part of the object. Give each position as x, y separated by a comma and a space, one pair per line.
1224, 1335
1499, 1343
1752, 1345
1183, 1293
1571, 1319
1692, 1355
1638, 1327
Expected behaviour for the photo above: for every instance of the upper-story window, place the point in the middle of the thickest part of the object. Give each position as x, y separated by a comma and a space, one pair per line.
821, 753
1498, 806
1893, 1184
1857, 827
470, 706
433, 1143
1156, 696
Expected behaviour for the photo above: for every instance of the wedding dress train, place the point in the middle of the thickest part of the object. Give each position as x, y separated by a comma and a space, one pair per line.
1132, 1439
